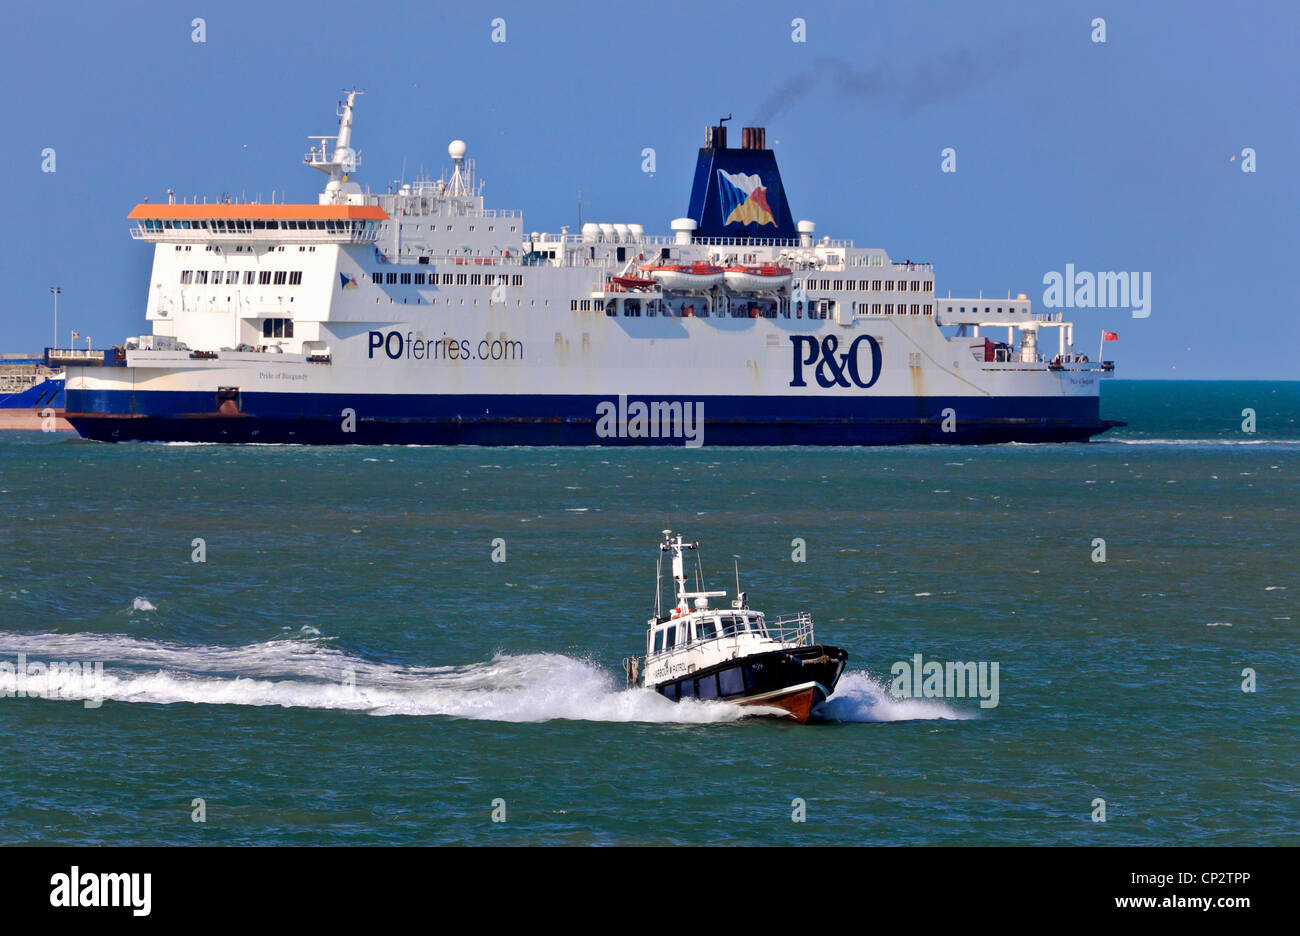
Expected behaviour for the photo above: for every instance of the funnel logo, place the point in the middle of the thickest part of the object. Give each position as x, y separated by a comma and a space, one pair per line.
744, 199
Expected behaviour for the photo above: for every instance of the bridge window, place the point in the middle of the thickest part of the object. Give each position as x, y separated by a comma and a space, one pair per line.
248, 277
187, 276
419, 279
280, 277
277, 328
264, 278
705, 629
295, 278
670, 636
405, 279
659, 640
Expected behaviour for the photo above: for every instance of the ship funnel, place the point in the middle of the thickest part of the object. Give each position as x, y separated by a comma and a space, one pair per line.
737, 193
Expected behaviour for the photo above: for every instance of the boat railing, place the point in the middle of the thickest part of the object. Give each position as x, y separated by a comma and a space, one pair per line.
795, 630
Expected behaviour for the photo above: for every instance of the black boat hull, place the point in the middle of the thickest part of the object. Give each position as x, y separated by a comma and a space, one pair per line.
791, 682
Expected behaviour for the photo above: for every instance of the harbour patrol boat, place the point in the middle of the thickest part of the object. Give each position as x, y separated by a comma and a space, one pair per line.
418, 315
733, 655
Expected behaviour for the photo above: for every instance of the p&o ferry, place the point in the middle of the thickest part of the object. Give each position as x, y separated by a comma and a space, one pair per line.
420, 316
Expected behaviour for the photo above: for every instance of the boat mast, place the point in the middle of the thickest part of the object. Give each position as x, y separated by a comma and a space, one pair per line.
683, 597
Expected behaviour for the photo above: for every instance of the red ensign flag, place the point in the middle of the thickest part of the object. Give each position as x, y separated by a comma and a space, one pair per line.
1110, 336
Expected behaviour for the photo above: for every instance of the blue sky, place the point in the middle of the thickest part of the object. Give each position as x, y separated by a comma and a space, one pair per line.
1115, 156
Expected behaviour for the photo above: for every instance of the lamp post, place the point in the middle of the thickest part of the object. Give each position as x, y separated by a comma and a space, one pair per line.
56, 290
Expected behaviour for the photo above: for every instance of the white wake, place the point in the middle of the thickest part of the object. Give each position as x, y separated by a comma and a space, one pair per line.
311, 674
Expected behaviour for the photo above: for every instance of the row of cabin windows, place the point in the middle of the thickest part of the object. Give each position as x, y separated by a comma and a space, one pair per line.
419, 300
239, 248
888, 308
679, 633
989, 309
732, 681
240, 225
872, 285
231, 277
277, 328
448, 279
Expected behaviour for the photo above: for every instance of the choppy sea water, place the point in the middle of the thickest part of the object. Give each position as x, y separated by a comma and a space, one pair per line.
350, 666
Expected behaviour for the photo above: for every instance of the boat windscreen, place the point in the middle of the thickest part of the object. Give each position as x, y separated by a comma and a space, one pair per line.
705, 629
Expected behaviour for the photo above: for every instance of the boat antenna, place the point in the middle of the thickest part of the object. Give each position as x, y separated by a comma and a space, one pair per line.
736, 560
659, 578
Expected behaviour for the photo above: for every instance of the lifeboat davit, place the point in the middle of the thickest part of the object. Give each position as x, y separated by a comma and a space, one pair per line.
685, 275
756, 278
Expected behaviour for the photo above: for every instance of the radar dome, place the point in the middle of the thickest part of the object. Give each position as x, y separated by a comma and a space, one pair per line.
457, 149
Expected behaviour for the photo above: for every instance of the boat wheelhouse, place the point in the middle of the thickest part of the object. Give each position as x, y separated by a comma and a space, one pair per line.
731, 654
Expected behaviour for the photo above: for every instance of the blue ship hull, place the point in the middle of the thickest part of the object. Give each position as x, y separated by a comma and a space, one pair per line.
408, 419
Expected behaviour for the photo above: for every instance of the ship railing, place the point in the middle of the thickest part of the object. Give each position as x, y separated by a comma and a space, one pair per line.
669, 240
277, 235
468, 262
